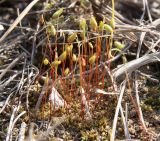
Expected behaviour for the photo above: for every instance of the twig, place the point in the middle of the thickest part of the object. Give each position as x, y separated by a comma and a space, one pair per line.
2, 1
6, 102
22, 80
121, 109
13, 63
126, 132
130, 140
31, 132
123, 85
16, 119
100, 91
153, 46
19, 18
138, 104
135, 64
126, 120
2, 86
10, 124
21, 135
148, 11
140, 43
149, 77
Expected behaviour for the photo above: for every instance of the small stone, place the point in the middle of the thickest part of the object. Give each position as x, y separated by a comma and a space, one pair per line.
133, 136
130, 122
147, 124
132, 131
120, 129
137, 128
150, 125
145, 89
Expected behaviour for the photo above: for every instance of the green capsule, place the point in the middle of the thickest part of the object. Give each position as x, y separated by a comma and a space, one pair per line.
118, 45
72, 37
63, 56
48, 6
56, 63
69, 48
93, 23
45, 61
66, 72
101, 26
124, 59
74, 58
92, 59
83, 24
83, 35
90, 45
51, 29
57, 13
108, 28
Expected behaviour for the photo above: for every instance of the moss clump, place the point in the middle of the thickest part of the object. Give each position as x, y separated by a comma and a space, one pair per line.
89, 135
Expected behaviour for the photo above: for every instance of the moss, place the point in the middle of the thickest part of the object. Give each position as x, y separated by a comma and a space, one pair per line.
89, 135
153, 98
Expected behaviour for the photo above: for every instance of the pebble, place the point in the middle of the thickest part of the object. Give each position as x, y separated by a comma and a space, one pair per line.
132, 131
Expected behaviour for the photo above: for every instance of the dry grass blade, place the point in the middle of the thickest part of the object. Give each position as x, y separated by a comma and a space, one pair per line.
19, 18
138, 104
121, 109
12, 65
56, 99
21, 135
11, 124
117, 111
